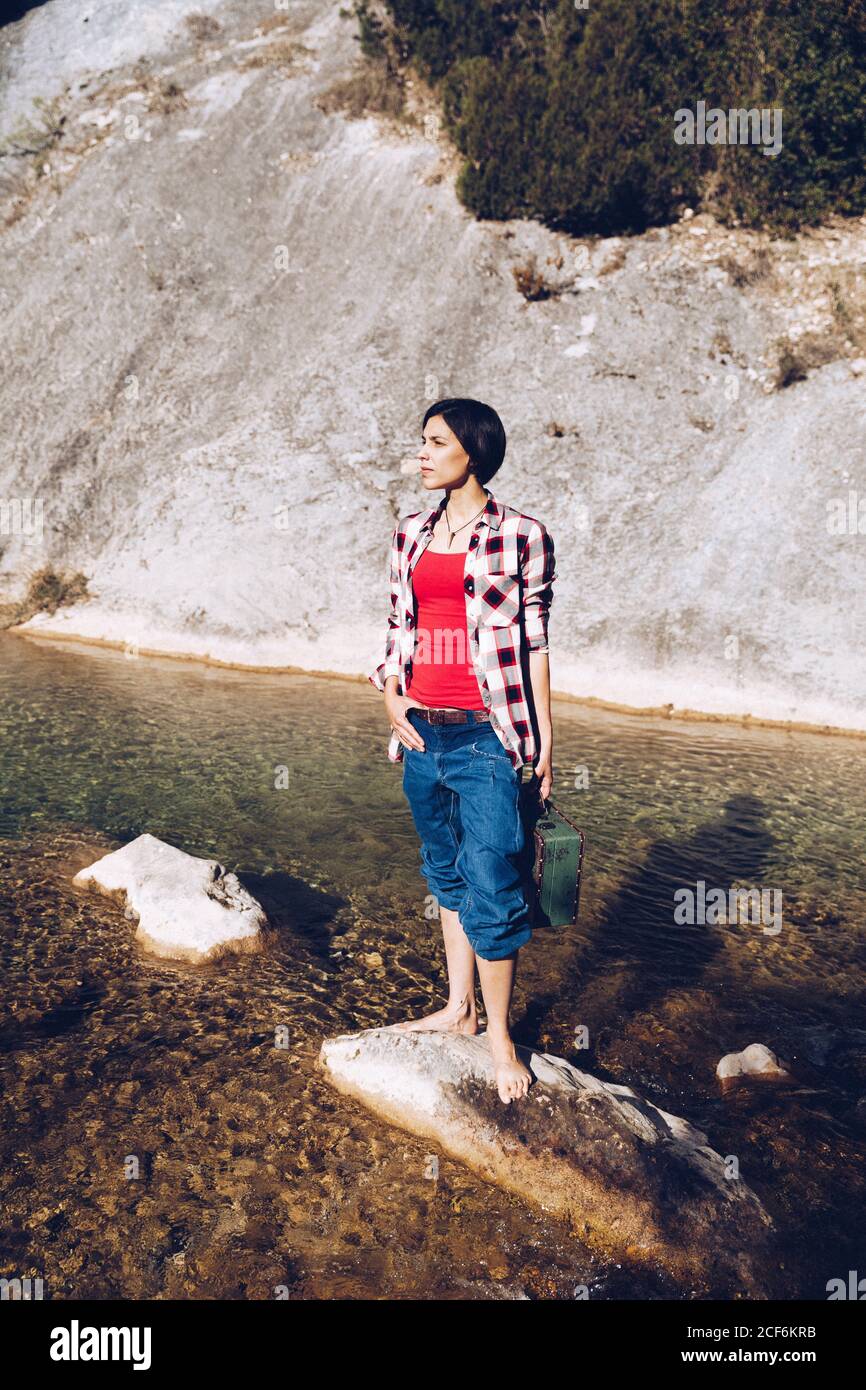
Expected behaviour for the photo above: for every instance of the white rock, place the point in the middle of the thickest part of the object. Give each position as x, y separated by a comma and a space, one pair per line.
756, 1059
97, 117
631, 1177
187, 908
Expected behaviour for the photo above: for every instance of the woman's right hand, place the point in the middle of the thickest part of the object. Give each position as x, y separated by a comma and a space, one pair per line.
396, 706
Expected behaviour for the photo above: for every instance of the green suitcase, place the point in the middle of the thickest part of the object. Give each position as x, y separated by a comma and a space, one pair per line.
553, 859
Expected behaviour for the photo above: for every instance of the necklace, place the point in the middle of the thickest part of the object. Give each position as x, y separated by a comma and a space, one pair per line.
452, 534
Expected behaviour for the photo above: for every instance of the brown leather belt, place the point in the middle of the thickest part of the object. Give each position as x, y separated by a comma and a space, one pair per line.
449, 716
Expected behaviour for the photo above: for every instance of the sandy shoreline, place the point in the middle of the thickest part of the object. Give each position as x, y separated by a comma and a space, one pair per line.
666, 711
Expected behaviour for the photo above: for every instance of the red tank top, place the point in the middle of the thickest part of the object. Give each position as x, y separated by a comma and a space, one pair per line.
442, 670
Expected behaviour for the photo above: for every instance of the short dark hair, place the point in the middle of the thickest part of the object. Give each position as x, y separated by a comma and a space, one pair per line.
479, 429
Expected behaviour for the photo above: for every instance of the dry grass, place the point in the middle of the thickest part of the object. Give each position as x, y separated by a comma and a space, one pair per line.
795, 360
373, 89
46, 592
282, 54
20, 204
615, 261
748, 269
28, 150
848, 295
277, 20
530, 281
202, 26
166, 97
721, 344
35, 137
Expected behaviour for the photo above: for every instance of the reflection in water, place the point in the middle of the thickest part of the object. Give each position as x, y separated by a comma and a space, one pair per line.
254, 1173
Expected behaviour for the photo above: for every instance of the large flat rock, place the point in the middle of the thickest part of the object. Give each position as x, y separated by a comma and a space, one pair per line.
635, 1181
187, 908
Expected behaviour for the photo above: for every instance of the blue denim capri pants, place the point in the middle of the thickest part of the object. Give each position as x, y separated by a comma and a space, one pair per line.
464, 791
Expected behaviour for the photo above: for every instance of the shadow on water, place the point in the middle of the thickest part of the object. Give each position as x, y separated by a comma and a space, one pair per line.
662, 1002
637, 926
294, 908
634, 937
61, 1018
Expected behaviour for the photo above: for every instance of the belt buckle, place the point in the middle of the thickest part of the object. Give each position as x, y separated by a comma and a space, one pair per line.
443, 715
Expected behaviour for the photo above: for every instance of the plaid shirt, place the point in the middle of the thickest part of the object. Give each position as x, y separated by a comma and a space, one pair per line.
507, 581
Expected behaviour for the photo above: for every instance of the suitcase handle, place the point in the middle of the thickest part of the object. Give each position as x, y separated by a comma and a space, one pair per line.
533, 778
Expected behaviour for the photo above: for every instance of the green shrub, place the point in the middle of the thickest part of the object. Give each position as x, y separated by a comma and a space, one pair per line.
567, 115
492, 122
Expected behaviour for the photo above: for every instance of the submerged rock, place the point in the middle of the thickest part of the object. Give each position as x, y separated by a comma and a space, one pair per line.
754, 1060
187, 908
635, 1181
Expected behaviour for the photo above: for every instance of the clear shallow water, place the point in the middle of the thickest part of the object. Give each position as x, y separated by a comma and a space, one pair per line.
254, 1172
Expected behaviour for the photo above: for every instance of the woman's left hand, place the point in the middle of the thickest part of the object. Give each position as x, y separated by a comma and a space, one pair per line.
543, 768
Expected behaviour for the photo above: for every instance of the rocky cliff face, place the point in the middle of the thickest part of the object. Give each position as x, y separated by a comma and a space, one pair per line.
227, 303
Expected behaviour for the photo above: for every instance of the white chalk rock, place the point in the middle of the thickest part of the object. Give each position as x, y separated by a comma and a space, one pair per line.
187, 908
633, 1179
754, 1060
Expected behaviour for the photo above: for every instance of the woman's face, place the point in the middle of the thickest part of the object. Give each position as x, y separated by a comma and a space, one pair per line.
442, 457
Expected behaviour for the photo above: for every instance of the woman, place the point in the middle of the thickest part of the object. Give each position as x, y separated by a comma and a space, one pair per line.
467, 693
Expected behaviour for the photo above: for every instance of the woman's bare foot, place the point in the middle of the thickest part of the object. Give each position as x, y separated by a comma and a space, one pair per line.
512, 1077
460, 1017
